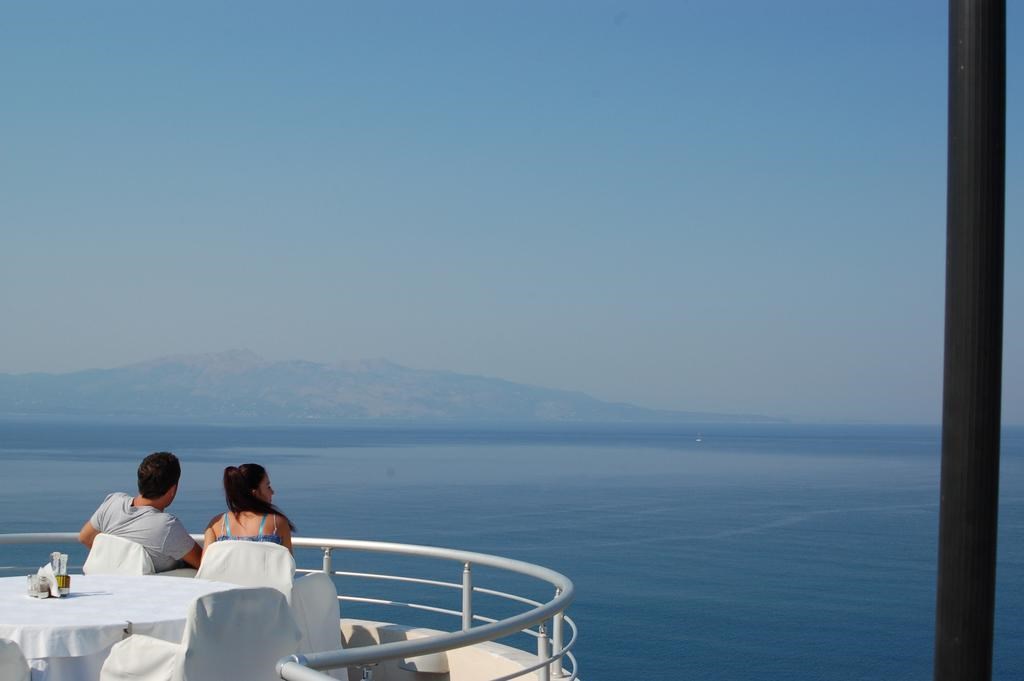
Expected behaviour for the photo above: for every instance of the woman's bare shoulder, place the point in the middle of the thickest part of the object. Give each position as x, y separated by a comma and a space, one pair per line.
214, 519
281, 524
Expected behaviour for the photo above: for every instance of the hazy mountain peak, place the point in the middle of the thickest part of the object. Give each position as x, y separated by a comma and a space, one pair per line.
374, 365
235, 359
238, 384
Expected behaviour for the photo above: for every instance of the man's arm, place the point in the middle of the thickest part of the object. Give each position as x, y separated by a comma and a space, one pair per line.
193, 557
179, 542
87, 534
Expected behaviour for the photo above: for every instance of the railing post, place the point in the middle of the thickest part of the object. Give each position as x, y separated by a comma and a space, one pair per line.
328, 564
556, 641
543, 674
467, 597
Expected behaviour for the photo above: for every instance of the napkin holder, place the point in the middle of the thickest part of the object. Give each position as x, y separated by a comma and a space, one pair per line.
45, 583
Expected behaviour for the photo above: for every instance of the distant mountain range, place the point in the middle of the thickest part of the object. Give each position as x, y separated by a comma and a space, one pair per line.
239, 386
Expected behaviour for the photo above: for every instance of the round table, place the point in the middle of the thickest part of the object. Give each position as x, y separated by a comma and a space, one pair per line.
68, 638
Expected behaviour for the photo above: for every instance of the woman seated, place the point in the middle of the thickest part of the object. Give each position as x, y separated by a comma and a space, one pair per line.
250, 516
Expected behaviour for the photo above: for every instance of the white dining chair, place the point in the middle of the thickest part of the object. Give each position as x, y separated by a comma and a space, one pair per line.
318, 614
13, 665
233, 634
112, 555
249, 563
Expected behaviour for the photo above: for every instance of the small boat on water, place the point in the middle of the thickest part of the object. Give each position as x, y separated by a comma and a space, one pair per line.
395, 651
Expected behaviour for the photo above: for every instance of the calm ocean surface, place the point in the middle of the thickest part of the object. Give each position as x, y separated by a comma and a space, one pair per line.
760, 552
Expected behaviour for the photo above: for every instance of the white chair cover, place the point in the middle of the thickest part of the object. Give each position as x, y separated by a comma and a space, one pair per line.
318, 613
112, 555
249, 564
143, 658
235, 634
13, 665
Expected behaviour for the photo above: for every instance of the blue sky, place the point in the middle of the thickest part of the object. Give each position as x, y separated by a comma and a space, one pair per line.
717, 206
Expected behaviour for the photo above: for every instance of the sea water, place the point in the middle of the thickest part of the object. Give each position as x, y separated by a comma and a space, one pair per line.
698, 552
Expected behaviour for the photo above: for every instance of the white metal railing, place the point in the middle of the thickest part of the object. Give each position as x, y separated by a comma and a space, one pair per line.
551, 651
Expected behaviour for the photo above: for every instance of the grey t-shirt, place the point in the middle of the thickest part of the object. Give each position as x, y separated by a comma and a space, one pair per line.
161, 534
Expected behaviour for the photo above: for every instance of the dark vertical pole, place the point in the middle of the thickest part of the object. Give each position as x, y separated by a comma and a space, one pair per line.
972, 385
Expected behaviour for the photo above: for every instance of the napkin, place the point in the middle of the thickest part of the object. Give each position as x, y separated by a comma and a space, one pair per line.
47, 572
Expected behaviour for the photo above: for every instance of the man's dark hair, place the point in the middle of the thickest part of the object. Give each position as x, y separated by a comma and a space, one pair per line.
158, 472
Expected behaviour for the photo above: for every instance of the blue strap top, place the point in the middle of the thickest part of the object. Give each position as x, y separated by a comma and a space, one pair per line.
259, 536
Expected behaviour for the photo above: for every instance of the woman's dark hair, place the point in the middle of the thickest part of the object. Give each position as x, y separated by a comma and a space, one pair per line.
239, 482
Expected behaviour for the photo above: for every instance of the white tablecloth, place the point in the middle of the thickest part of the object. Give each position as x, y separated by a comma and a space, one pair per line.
67, 639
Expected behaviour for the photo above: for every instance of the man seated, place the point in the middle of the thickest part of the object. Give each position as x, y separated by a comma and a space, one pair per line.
142, 519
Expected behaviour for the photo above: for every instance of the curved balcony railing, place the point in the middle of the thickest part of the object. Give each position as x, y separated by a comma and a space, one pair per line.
546, 622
